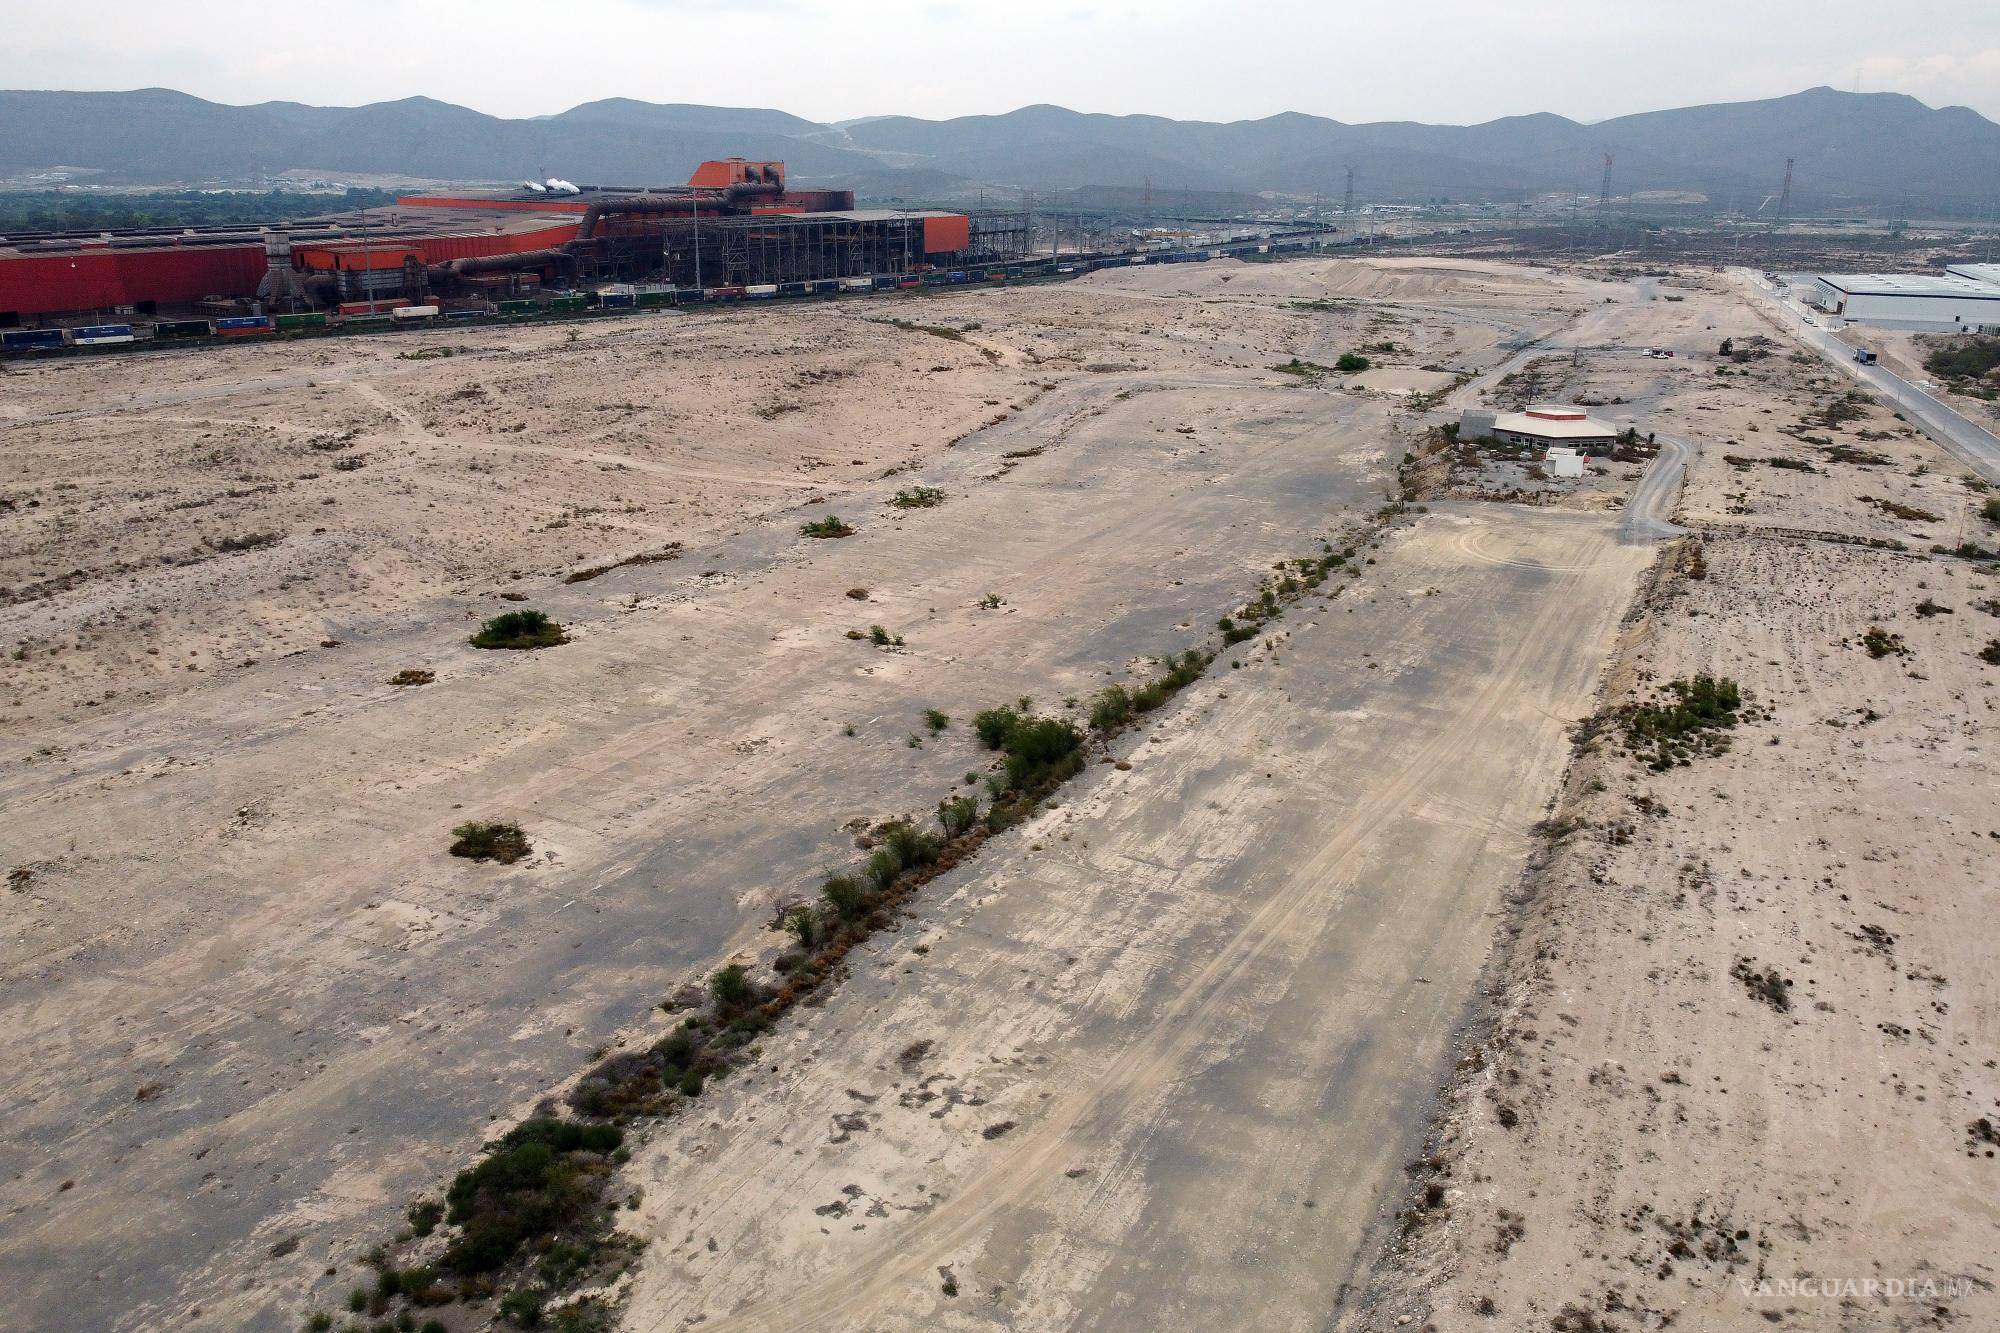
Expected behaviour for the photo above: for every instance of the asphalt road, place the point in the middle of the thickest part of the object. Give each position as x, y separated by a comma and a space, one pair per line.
1965, 440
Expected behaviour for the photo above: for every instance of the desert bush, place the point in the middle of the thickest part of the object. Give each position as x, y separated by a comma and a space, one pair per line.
413, 676
803, 922
936, 720
731, 988
846, 895
830, 526
994, 725
1883, 643
957, 815
1110, 708
1351, 363
543, 1176
519, 629
882, 867
1690, 718
477, 841
918, 497
913, 847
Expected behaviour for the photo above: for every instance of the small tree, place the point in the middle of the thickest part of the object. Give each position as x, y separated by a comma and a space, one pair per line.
846, 895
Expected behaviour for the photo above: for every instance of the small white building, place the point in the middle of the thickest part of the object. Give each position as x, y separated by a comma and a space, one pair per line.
1564, 463
1541, 426
1939, 302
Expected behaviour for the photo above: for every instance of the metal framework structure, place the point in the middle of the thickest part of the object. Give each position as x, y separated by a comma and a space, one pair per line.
733, 251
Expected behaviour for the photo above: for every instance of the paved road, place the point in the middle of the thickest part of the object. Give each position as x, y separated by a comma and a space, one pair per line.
1965, 440
1649, 515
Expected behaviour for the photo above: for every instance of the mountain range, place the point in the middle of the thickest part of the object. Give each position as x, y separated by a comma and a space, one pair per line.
1850, 150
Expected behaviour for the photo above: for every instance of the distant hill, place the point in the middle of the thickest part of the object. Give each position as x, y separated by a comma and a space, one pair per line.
1852, 150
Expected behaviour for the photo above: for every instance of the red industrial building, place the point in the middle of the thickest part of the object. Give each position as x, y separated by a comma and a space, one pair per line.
735, 222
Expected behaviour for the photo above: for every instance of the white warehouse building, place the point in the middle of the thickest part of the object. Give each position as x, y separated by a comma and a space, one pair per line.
1940, 302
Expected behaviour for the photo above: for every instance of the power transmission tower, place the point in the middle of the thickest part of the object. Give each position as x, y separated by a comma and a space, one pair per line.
1785, 196
1347, 205
1604, 192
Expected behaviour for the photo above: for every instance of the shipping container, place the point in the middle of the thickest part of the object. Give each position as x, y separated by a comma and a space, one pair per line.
366, 323
689, 296
725, 293
516, 309
237, 326
760, 291
885, 282
569, 303
306, 320
30, 340
857, 284
414, 314
101, 335
616, 300
655, 296
467, 313
792, 289
182, 328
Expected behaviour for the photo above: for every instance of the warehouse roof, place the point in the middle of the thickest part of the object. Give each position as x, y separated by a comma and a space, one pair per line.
1989, 274
1910, 284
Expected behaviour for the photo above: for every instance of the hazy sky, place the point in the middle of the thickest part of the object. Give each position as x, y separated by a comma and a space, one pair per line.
1436, 60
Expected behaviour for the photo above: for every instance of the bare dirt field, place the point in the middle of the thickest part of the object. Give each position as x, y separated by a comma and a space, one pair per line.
254, 1005
1157, 1057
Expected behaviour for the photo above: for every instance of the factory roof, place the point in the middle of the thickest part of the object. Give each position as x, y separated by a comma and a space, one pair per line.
1988, 274
883, 214
1910, 284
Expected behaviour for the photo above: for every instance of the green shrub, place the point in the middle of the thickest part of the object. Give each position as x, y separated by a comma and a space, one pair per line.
1690, 719
731, 988
846, 895
1991, 652
505, 843
519, 629
994, 725
1882, 643
957, 815
912, 846
918, 497
830, 526
879, 637
883, 867
533, 1183
1351, 363
524, 1305
424, 1216
412, 676
1111, 708
803, 922
936, 720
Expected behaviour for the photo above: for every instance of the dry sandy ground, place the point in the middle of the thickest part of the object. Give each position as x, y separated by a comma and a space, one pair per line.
1638, 1139
251, 1004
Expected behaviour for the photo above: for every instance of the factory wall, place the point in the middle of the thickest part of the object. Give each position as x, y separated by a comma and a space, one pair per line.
32, 285
946, 235
1935, 311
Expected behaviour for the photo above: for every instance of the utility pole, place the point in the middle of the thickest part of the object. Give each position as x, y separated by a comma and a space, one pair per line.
1785, 196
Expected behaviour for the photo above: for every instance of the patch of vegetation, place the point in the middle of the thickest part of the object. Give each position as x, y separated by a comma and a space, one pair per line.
1765, 984
585, 575
73, 210
544, 1176
1930, 606
1972, 358
918, 497
935, 330
1691, 717
936, 720
1303, 369
1897, 509
519, 630
1351, 363
427, 354
478, 841
1991, 652
830, 526
1883, 643
413, 676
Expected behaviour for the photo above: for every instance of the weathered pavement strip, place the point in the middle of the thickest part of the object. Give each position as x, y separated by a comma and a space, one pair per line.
1184, 1028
